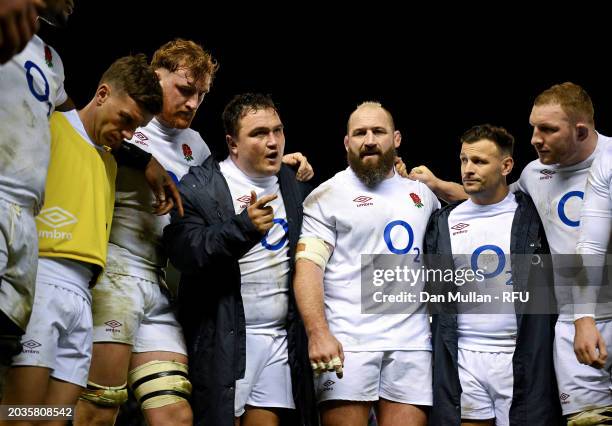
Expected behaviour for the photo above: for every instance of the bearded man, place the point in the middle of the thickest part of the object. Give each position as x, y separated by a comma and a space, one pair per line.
382, 361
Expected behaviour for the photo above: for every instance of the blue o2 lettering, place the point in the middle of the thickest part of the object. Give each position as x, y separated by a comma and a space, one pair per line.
501, 259
561, 208
387, 237
42, 97
281, 243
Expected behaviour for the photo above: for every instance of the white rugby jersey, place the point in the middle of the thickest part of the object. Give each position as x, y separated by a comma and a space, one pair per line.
31, 86
557, 192
135, 246
595, 240
264, 269
388, 219
480, 238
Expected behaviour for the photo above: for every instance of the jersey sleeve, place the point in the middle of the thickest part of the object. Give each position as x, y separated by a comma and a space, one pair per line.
60, 94
317, 223
595, 229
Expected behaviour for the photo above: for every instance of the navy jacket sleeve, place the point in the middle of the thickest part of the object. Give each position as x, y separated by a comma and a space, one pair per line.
203, 237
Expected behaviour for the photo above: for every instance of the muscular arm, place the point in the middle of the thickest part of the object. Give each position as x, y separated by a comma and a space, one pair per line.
324, 350
308, 287
447, 191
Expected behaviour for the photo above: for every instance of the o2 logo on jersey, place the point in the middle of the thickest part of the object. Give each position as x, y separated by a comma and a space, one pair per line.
32, 69
501, 261
391, 245
561, 208
281, 243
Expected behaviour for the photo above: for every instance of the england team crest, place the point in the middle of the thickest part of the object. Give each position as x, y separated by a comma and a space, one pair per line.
416, 200
187, 152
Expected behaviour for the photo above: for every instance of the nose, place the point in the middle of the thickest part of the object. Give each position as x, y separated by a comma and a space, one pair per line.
468, 168
272, 141
369, 139
536, 138
193, 102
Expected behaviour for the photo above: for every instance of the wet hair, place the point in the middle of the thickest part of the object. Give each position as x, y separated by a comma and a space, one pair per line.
573, 99
134, 76
240, 106
498, 135
180, 53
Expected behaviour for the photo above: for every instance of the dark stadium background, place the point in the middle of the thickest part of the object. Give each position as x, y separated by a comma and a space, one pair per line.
437, 73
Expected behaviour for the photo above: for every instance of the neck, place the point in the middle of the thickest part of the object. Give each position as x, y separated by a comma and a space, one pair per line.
86, 116
163, 122
488, 198
583, 150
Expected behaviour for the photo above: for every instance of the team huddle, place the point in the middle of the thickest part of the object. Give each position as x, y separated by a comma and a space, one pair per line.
267, 325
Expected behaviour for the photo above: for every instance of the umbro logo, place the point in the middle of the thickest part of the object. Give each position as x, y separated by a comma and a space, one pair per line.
245, 200
460, 228
113, 326
327, 385
362, 201
56, 217
140, 138
564, 398
31, 344
547, 174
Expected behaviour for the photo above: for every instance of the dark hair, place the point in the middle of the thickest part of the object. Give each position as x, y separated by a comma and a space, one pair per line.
133, 76
240, 105
498, 135
180, 53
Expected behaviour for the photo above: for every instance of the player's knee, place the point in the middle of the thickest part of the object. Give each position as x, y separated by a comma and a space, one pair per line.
160, 383
178, 414
105, 396
595, 417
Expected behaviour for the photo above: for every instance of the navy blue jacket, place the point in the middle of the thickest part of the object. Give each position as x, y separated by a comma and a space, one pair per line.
535, 397
205, 246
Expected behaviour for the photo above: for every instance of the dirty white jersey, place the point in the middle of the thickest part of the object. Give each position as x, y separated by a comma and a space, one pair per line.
558, 193
355, 219
595, 241
31, 86
264, 269
135, 246
480, 239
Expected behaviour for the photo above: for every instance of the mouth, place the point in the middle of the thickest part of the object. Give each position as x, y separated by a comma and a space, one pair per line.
370, 154
272, 156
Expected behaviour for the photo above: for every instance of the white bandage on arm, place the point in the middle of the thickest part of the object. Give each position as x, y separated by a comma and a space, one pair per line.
313, 249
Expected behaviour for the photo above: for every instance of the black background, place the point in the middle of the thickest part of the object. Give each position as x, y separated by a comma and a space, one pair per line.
439, 70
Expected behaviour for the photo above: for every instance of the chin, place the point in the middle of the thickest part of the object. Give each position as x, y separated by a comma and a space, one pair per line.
181, 123
547, 160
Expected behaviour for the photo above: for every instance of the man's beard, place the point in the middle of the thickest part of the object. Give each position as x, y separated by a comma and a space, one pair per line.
372, 174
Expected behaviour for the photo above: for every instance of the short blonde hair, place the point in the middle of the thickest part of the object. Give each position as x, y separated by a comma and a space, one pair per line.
572, 98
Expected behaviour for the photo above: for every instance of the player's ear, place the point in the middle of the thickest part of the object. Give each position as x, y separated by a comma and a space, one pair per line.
507, 165
397, 139
582, 132
102, 94
231, 144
